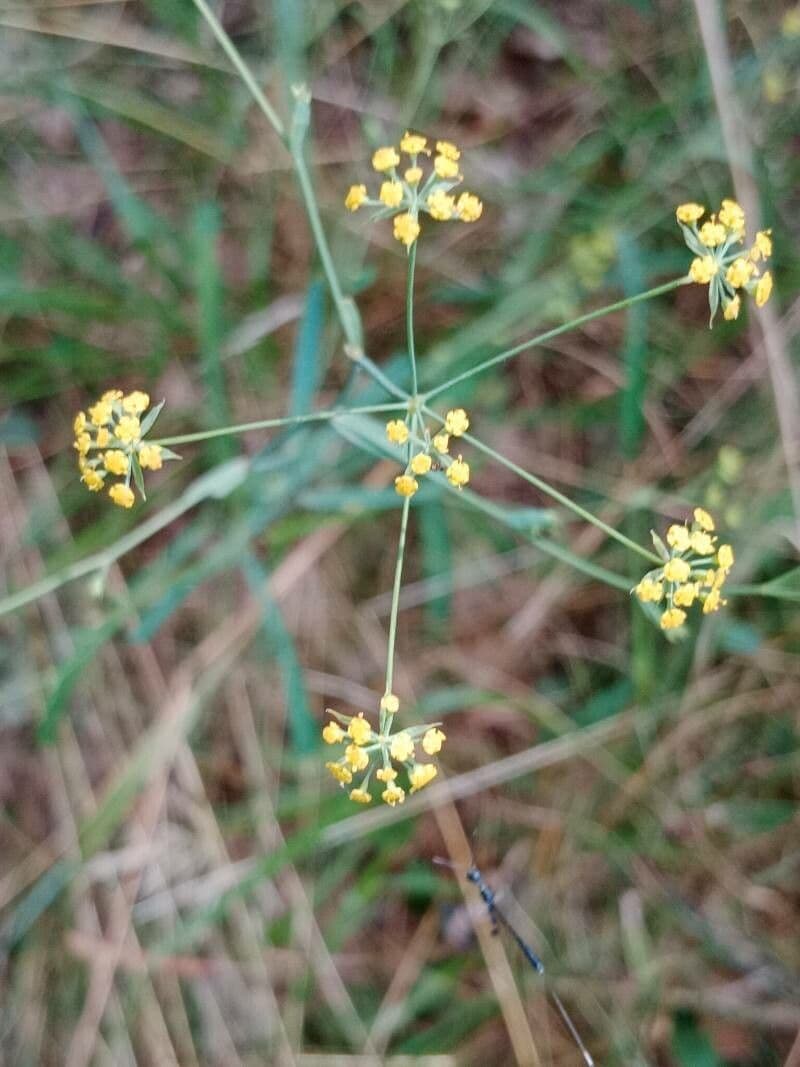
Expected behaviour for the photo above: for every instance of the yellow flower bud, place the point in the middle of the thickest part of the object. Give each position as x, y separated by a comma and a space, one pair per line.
385, 158
122, 495
356, 195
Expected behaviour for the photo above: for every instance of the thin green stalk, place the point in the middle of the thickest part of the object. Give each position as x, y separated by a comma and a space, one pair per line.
555, 332
344, 309
554, 494
360, 358
267, 424
398, 574
412, 262
243, 70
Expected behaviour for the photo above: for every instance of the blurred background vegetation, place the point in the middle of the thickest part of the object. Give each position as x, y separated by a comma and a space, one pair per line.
180, 883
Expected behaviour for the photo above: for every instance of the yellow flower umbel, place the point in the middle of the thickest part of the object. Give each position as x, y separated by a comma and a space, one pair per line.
433, 452
369, 752
109, 440
694, 571
720, 261
405, 192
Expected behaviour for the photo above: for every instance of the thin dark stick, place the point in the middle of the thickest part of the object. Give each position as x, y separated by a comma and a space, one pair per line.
498, 919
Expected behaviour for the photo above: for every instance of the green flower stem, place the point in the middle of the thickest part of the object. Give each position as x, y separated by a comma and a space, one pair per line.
775, 592
550, 334
554, 494
346, 312
348, 317
243, 70
398, 575
268, 424
412, 262
361, 359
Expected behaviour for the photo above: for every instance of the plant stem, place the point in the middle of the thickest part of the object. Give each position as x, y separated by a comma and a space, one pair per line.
398, 574
266, 424
243, 70
549, 334
412, 262
554, 493
345, 311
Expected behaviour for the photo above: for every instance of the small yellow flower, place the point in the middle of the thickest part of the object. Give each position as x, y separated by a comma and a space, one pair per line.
689, 212
360, 796
702, 543
413, 175
712, 234
458, 473
703, 270
340, 773
448, 150
391, 193
413, 143
469, 208
441, 205
420, 775
102, 437
649, 592
79, 425
678, 537
111, 396
135, 403
739, 272
127, 429
441, 442
384, 159
83, 443
92, 480
100, 413
713, 602
356, 195
685, 595
677, 570
709, 578
390, 704
406, 229
332, 733
116, 462
393, 794
405, 485
433, 740
150, 458
359, 729
122, 495
456, 422
445, 168
402, 747
356, 757
732, 215
386, 774
397, 431
763, 289
762, 246
703, 519
421, 463
672, 618
732, 309
725, 557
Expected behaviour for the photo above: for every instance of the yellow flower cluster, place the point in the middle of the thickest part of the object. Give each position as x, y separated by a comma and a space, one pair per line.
434, 453
695, 570
366, 751
404, 196
720, 262
109, 440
